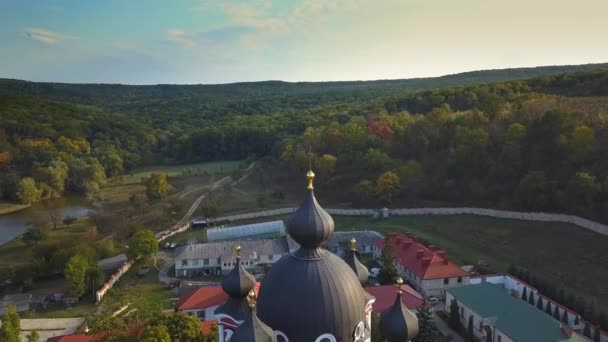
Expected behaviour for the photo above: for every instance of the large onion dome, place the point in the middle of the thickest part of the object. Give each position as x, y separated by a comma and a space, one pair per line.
237, 285
398, 323
312, 292
356, 265
252, 329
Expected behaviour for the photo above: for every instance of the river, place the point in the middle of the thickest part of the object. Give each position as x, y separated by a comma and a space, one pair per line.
14, 224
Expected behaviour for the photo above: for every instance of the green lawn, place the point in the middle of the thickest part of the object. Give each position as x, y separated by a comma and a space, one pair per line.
569, 255
219, 167
145, 293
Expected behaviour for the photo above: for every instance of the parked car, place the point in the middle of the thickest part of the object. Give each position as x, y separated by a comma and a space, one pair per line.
174, 284
142, 271
433, 301
375, 272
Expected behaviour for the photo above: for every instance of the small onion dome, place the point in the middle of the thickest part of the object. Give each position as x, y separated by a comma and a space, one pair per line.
397, 323
310, 225
237, 285
354, 263
252, 329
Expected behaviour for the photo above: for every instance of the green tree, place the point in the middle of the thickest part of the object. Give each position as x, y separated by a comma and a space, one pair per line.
532, 191
524, 294
95, 278
582, 143
531, 298
326, 166
428, 331
33, 336
565, 317
511, 150
539, 303
157, 185
262, 200
470, 333
27, 191
596, 334
548, 308
375, 325
387, 187
181, 327
587, 330
582, 190
363, 190
76, 275
556, 312
34, 235
454, 318
156, 333
11, 326
410, 175
388, 272
142, 244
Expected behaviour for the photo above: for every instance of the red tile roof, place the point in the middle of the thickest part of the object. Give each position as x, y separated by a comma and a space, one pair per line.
71, 338
385, 297
204, 297
424, 262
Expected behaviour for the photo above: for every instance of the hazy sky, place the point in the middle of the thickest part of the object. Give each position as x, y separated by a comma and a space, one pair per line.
195, 41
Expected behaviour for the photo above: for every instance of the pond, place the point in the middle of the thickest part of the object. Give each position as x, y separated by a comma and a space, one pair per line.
16, 223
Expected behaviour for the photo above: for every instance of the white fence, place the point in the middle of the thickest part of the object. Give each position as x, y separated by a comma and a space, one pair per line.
515, 215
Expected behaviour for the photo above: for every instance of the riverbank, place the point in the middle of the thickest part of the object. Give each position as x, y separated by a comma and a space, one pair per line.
7, 207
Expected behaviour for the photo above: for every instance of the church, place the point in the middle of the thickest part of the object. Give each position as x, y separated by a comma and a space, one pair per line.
309, 295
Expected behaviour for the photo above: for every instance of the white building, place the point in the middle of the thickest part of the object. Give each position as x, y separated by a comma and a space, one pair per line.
497, 315
218, 257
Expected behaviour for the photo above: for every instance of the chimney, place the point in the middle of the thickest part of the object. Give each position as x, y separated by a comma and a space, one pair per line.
441, 254
407, 244
419, 253
433, 247
426, 261
446, 260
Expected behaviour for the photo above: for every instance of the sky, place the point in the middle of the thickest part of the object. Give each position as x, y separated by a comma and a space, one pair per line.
222, 41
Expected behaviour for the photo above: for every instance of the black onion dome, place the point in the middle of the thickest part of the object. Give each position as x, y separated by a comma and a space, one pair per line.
252, 329
310, 225
398, 323
237, 285
354, 263
305, 298
238, 282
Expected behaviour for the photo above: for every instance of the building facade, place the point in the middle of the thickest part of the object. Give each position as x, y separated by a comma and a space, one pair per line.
426, 269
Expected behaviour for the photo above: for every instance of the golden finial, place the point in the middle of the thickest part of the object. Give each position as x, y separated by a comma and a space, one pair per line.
310, 176
399, 284
251, 299
353, 244
237, 249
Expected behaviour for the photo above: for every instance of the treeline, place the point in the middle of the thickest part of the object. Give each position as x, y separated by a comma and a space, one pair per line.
502, 145
48, 148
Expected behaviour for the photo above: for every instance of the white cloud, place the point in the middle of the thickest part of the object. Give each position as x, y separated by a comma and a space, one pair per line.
181, 38
47, 36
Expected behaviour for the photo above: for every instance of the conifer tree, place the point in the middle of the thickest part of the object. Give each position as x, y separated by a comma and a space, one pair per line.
470, 334
587, 330
548, 307
531, 299
539, 303
11, 326
388, 273
427, 330
565, 317
596, 334
556, 312
524, 294
454, 315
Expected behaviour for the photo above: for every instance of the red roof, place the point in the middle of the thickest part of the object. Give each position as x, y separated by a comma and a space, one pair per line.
204, 297
385, 297
71, 338
424, 262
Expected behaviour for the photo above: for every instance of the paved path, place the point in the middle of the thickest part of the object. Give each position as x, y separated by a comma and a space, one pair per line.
49, 327
446, 330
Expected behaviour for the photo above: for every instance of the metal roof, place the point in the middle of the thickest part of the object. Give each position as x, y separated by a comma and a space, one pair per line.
225, 249
262, 228
513, 316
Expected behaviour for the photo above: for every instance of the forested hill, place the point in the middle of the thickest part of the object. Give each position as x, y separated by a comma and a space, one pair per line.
196, 104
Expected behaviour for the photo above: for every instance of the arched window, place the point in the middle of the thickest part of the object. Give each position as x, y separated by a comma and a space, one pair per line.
326, 338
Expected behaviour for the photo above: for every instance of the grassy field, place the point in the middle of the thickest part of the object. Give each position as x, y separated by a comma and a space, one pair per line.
7, 207
16, 253
180, 170
145, 294
566, 254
